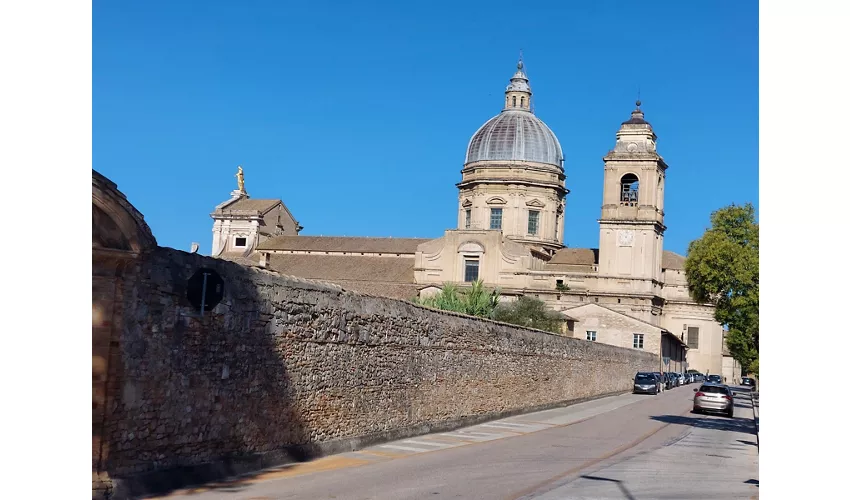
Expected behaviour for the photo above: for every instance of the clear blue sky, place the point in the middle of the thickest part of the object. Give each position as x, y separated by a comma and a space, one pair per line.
357, 114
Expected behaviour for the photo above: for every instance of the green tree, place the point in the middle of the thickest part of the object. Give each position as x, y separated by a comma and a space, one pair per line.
531, 313
722, 268
476, 300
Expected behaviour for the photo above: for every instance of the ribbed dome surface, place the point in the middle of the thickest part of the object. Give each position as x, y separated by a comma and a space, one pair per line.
515, 135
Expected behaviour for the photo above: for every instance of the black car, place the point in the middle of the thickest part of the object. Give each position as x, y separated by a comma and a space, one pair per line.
747, 381
714, 379
646, 383
662, 380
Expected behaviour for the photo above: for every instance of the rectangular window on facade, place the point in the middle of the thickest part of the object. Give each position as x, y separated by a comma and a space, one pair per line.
693, 337
470, 270
533, 221
495, 218
468, 222
240, 242
591, 336
637, 340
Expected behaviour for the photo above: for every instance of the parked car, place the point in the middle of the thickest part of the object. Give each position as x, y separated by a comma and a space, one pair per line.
717, 398
662, 380
748, 382
714, 379
646, 383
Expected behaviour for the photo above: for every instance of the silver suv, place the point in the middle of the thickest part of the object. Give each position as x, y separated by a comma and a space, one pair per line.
714, 398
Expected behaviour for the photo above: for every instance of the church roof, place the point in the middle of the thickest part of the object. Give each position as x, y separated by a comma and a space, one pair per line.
671, 260
243, 258
252, 204
382, 276
576, 256
590, 257
515, 135
664, 331
348, 244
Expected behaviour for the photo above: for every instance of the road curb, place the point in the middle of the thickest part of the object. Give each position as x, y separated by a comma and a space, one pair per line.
754, 402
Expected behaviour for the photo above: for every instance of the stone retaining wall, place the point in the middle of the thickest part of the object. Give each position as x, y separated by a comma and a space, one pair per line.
284, 369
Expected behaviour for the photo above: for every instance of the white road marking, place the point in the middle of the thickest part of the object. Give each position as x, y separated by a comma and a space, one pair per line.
406, 448
500, 425
475, 435
424, 443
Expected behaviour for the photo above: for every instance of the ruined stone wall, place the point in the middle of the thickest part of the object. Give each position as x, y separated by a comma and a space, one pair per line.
286, 364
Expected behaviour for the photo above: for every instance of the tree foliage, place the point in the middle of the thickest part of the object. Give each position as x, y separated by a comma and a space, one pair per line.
474, 301
722, 268
531, 313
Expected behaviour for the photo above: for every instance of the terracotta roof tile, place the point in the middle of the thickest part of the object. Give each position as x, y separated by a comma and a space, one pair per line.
590, 256
382, 276
672, 260
576, 256
240, 258
344, 267
352, 244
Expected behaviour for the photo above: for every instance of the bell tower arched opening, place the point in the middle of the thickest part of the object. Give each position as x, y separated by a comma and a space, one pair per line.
629, 185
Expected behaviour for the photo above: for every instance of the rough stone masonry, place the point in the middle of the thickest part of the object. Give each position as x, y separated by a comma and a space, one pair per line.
284, 369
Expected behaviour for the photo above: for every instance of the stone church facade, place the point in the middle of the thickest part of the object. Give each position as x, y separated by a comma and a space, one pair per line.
628, 292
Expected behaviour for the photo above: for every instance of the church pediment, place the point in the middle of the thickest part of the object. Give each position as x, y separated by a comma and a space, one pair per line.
496, 200
535, 203
466, 203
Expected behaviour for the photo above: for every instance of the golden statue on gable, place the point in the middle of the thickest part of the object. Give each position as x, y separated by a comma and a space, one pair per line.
240, 179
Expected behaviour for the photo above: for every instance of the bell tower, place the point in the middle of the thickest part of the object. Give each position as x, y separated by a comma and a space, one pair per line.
631, 229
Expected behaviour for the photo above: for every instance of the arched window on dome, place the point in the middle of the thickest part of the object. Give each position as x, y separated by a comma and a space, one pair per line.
513, 101
522, 101
629, 190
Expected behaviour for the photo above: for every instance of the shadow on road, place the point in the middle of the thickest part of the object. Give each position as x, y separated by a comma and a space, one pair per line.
231, 485
744, 425
626, 493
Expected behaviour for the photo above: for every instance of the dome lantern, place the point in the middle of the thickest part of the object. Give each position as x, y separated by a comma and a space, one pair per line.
518, 92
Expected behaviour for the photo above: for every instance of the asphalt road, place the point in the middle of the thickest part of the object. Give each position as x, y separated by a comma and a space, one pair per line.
623, 447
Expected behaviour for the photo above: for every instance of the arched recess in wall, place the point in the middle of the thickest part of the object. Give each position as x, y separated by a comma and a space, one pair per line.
116, 224
119, 235
471, 247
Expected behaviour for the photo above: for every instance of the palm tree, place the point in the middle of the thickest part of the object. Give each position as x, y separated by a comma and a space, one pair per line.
475, 301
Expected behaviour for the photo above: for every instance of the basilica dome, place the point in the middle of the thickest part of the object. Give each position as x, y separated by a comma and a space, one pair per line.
515, 135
